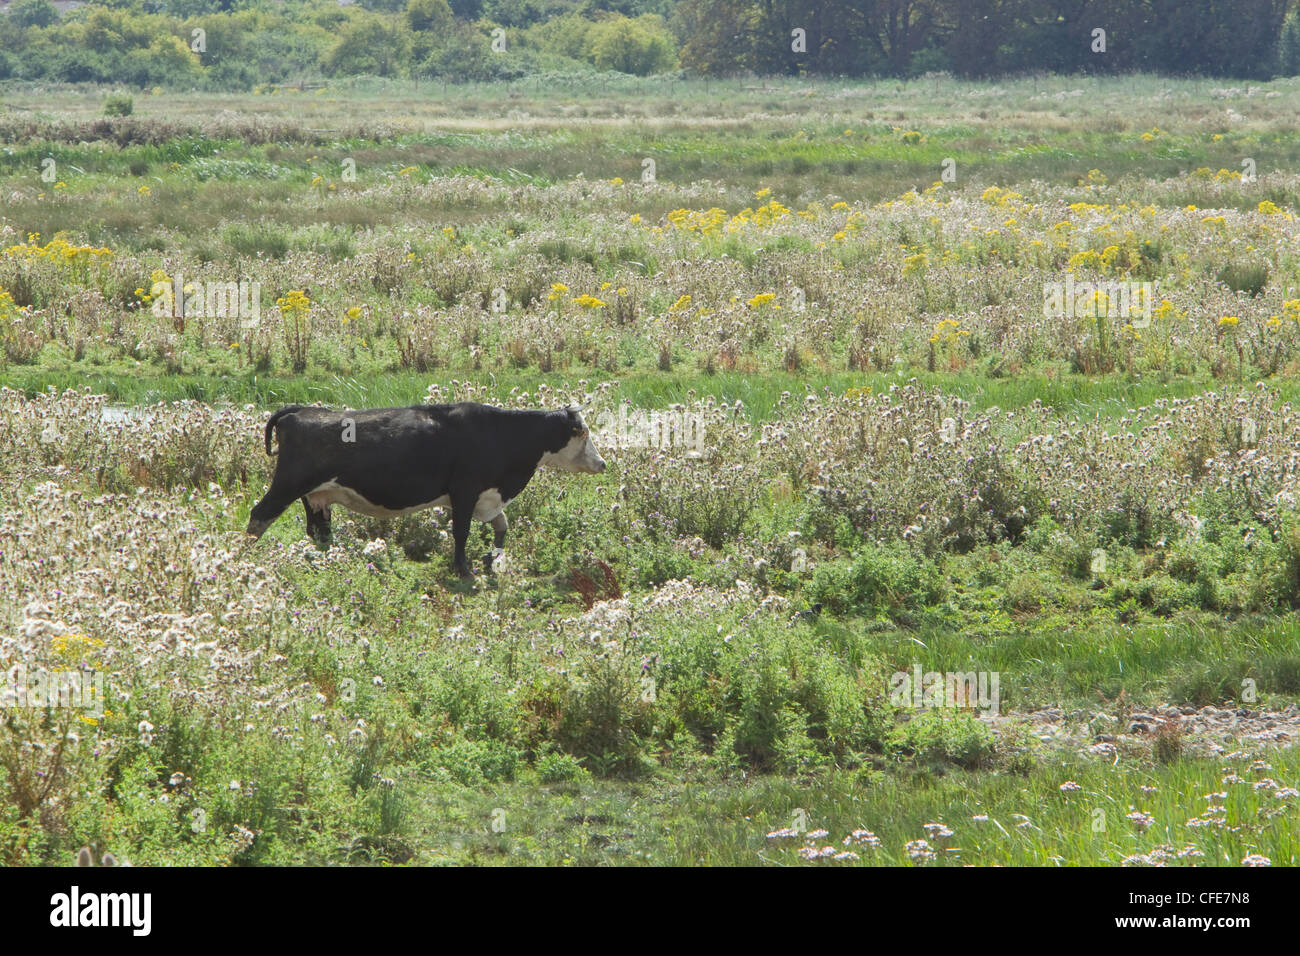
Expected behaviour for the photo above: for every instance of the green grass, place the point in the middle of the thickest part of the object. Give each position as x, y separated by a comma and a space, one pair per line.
1070, 395
1076, 665
709, 822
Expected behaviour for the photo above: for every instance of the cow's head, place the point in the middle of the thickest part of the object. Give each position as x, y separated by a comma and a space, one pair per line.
578, 452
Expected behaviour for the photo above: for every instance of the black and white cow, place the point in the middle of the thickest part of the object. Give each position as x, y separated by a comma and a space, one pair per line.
392, 461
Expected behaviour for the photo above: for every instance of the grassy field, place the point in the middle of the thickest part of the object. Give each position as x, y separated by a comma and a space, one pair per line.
909, 467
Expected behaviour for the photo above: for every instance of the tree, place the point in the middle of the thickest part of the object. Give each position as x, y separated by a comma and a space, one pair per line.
466, 9
717, 35
980, 29
1288, 47
368, 45
33, 13
425, 16
640, 47
898, 28
462, 54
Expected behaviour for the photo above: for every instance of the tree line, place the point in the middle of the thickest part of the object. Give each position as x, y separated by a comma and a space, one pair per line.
241, 44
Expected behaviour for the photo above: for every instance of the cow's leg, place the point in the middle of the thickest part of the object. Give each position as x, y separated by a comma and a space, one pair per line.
278, 497
462, 515
318, 522
499, 525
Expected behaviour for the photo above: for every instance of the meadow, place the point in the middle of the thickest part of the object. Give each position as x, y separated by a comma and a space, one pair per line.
909, 465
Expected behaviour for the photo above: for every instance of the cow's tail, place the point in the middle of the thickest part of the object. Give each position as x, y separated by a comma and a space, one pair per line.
270, 425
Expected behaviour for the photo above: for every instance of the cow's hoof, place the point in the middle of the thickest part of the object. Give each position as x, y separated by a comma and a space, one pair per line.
465, 572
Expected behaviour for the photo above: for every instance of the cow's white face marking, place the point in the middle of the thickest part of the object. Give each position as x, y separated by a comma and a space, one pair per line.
332, 493
578, 455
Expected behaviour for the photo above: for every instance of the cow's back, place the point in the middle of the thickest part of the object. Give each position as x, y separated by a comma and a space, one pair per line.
394, 457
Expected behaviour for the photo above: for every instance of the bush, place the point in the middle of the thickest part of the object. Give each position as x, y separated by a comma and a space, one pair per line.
251, 241
471, 762
604, 718
562, 36
935, 736
119, 104
1248, 277
640, 47
1136, 522
472, 702
879, 579
559, 768
1026, 592
464, 55
1163, 595
690, 498
367, 45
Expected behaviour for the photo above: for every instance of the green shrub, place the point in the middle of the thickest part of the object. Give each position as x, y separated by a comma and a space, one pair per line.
1163, 595
879, 579
1025, 592
1135, 522
1073, 554
1041, 534
935, 736
119, 104
604, 718
1250, 277
368, 45
559, 768
471, 702
661, 561
641, 46
694, 498
762, 720
471, 762
252, 241
795, 750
